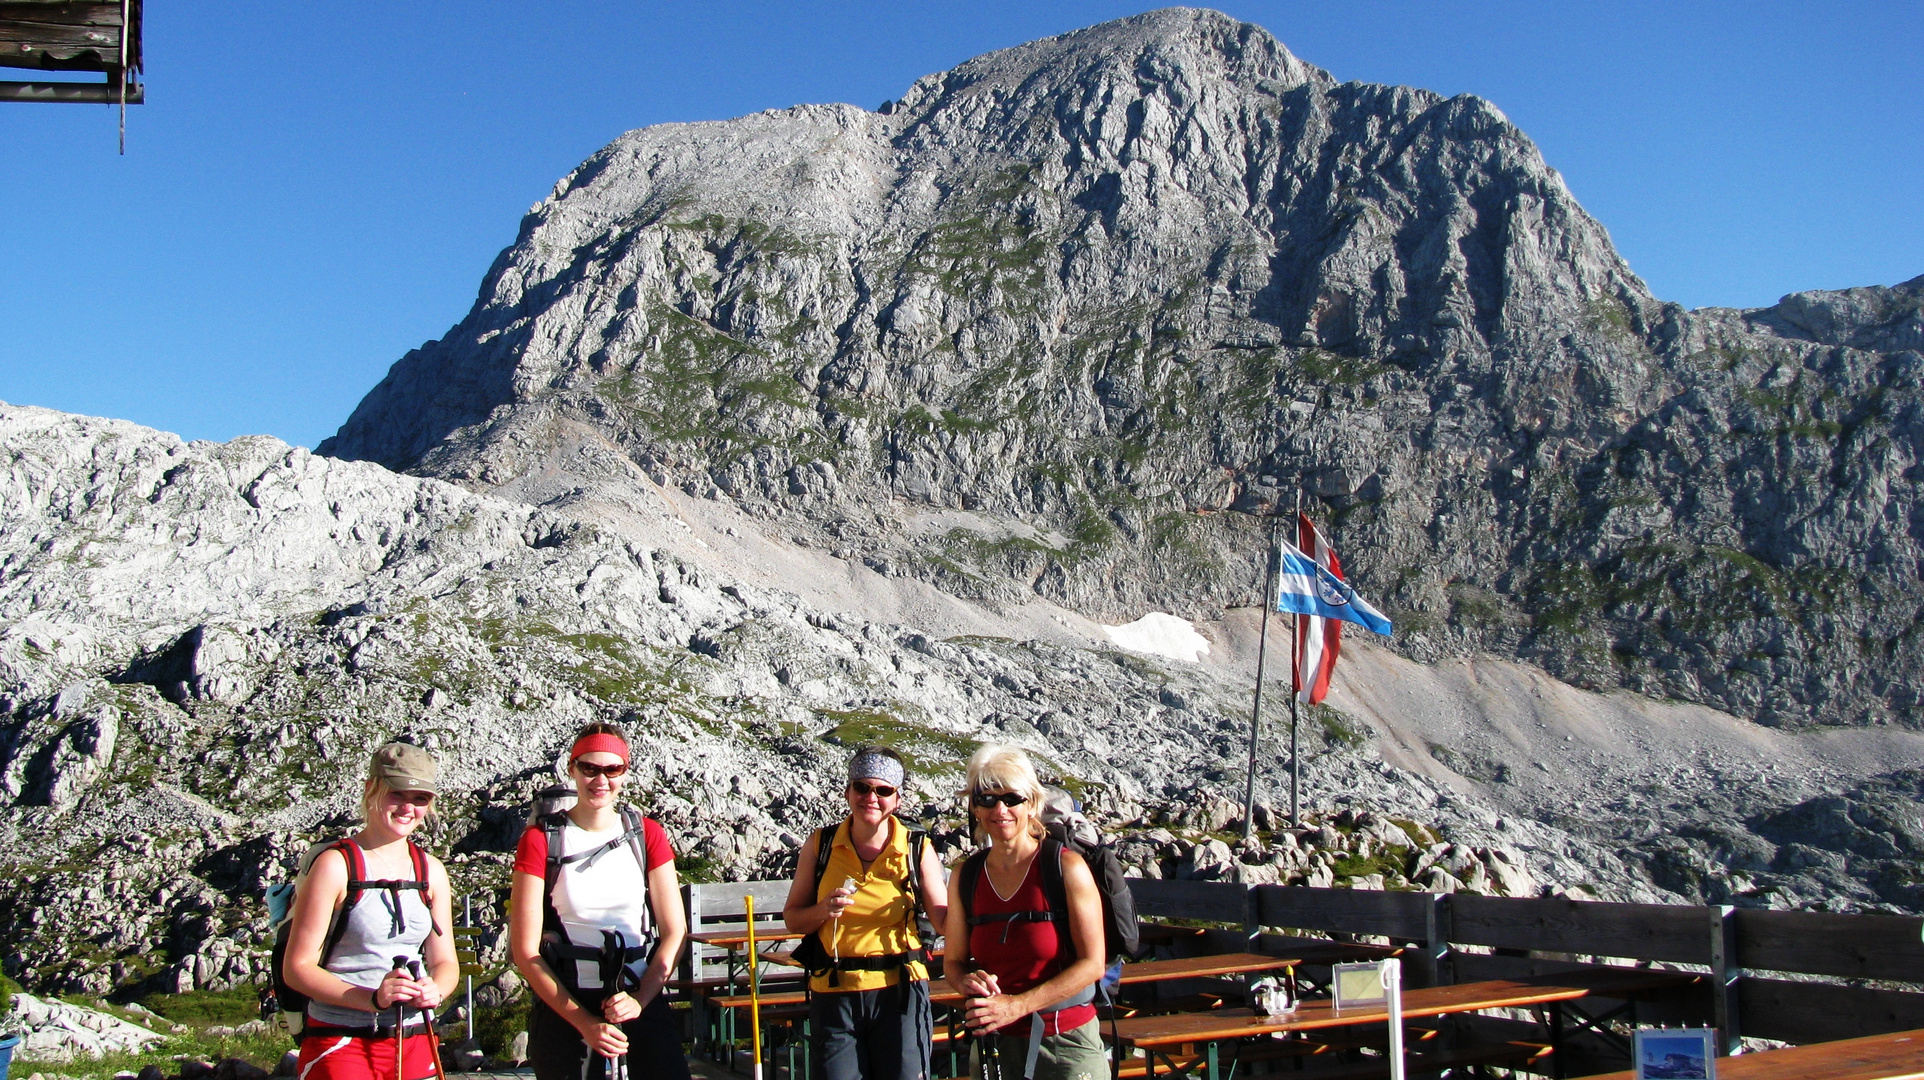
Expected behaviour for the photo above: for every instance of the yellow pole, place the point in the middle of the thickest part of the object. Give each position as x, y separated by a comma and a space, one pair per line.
754, 992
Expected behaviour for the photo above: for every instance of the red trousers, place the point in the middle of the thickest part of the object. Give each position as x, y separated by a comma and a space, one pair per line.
347, 1057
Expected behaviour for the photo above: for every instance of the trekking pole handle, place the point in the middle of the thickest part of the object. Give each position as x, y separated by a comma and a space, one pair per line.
414, 972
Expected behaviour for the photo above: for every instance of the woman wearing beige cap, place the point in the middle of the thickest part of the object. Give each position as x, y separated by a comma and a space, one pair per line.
361, 903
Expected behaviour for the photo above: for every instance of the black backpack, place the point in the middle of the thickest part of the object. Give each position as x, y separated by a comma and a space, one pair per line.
551, 817
816, 960
283, 998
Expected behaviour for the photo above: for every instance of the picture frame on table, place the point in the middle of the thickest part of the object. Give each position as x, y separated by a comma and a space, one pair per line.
1675, 1054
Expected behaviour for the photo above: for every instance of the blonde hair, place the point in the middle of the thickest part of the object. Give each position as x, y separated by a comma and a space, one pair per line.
374, 796
1000, 767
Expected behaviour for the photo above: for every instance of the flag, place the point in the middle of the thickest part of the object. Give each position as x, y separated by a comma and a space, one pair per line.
1307, 589
1318, 640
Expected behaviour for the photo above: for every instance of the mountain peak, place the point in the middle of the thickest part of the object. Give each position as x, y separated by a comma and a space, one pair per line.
1056, 322
1193, 45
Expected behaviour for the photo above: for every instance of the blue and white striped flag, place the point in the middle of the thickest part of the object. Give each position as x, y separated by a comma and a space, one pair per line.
1305, 588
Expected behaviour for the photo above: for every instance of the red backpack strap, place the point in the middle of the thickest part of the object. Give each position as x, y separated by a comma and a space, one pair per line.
356, 874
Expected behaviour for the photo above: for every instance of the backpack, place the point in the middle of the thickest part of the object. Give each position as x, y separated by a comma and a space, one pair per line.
1062, 816
281, 998
816, 960
550, 814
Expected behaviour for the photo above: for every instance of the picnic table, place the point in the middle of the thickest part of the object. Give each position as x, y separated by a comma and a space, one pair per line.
1186, 967
1897, 1056
735, 940
1161, 1037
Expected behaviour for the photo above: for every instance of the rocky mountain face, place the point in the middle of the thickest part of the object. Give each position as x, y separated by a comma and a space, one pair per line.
200, 644
1041, 325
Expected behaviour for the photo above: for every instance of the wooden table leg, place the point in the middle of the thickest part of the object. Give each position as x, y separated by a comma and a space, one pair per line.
1556, 1040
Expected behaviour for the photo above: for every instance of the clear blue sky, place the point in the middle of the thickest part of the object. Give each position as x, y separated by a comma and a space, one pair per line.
315, 188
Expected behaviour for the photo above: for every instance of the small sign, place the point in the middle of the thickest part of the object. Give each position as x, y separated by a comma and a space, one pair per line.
467, 931
1676, 1054
1355, 985
473, 969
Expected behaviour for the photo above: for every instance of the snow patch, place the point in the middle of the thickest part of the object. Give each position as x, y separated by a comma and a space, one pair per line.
1162, 635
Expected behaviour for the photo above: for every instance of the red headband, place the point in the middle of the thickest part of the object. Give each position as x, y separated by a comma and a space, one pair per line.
602, 743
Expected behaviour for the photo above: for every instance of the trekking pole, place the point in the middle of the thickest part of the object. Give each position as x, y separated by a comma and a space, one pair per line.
754, 996
400, 1036
613, 949
427, 1015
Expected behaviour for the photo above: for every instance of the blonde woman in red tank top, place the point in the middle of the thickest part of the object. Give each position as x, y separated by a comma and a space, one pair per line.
1014, 972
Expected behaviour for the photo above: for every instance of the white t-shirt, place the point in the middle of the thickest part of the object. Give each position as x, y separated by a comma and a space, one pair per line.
610, 895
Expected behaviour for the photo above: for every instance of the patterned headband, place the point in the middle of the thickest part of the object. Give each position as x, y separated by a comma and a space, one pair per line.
872, 766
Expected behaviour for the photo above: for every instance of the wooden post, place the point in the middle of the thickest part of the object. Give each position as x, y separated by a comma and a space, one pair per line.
1432, 964
1724, 974
690, 965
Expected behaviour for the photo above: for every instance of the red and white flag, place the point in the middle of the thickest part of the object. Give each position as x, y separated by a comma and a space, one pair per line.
1318, 640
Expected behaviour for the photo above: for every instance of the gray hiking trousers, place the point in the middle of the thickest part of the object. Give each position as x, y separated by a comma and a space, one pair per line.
871, 1034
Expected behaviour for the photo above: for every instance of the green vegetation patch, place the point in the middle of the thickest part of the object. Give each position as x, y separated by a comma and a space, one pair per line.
202, 1007
927, 752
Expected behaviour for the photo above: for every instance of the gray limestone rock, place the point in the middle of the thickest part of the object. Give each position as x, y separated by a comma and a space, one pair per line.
1075, 299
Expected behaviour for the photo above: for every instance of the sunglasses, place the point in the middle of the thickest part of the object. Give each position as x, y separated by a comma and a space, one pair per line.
880, 791
590, 770
985, 800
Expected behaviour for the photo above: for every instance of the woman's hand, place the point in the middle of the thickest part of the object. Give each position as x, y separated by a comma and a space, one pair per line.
606, 1040
986, 1013
427, 994
839, 901
620, 1008
395, 988
978, 983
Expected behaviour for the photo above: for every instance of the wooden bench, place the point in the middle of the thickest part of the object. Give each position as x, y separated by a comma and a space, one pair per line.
1507, 1055
1897, 1056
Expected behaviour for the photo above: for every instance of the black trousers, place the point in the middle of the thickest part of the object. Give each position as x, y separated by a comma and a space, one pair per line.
556, 1051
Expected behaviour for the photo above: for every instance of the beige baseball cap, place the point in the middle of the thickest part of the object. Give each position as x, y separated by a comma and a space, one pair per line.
405, 767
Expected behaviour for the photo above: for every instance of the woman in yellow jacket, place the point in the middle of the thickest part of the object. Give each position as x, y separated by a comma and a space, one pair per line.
855, 895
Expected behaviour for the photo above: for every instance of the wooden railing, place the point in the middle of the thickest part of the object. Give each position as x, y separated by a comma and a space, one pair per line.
1794, 976
1746, 952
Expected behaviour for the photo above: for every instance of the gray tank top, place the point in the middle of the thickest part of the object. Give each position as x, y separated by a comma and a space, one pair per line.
383, 924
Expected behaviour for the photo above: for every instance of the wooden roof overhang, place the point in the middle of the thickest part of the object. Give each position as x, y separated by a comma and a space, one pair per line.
72, 35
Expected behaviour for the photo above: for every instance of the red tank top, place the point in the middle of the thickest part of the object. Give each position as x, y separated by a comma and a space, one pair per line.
1023, 954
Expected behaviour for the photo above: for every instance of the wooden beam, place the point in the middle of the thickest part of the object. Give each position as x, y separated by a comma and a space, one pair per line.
1209, 901
1807, 1012
1404, 916
81, 93
1826, 943
67, 36
1638, 931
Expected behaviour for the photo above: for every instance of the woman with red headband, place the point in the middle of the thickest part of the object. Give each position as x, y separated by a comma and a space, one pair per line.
597, 922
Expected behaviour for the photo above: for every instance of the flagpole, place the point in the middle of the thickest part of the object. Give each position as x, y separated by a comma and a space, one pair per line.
1295, 666
1262, 647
